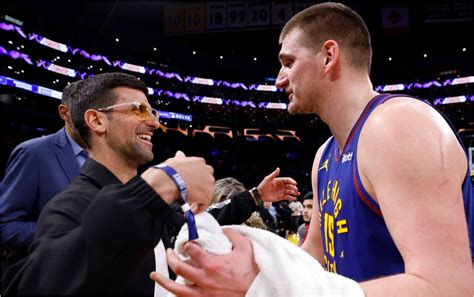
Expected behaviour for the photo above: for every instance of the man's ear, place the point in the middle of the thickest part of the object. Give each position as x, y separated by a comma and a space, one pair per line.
330, 50
95, 120
63, 112
331, 54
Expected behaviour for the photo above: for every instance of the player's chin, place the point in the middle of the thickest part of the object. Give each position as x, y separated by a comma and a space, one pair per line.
293, 108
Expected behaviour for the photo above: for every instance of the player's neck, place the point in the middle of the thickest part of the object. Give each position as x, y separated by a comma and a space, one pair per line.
349, 102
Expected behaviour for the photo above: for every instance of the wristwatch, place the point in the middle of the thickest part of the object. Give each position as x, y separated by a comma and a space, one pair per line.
256, 195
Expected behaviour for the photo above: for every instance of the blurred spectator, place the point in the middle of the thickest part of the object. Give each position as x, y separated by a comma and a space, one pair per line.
269, 216
227, 187
308, 209
284, 218
255, 221
296, 213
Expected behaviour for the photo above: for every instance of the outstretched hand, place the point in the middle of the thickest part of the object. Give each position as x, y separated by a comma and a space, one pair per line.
227, 275
274, 188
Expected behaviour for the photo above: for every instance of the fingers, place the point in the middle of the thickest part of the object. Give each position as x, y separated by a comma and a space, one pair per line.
189, 272
194, 207
173, 287
273, 174
196, 253
197, 207
210, 168
291, 187
238, 241
180, 154
292, 190
203, 259
243, 252
200, 207
288, 180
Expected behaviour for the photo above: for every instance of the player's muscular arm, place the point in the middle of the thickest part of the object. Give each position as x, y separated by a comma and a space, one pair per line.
412, 163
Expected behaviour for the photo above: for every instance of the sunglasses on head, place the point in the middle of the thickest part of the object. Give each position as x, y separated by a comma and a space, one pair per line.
140, 109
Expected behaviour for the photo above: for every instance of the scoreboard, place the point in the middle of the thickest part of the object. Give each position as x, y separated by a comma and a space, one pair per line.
223, 16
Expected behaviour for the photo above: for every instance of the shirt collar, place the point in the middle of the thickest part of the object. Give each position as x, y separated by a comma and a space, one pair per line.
76, 148
99, 173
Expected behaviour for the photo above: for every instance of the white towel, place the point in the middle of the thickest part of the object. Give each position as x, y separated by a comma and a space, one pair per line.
161, 266
285, 269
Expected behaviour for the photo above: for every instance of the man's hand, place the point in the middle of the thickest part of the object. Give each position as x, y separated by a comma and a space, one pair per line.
227, 275
273, 188
197, 175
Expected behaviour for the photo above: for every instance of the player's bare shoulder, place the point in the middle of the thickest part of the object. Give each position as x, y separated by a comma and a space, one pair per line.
402, 118
405, 127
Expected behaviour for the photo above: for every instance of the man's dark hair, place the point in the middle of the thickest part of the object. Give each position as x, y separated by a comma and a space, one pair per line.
98, 91
69, 92
307, 196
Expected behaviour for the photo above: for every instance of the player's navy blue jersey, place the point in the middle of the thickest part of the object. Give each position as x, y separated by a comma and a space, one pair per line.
356, 241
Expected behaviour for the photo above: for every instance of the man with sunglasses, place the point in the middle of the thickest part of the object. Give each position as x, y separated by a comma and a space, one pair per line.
107, 231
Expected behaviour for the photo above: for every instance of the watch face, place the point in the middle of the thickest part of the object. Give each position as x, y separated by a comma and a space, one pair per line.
256, 192
256, 195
